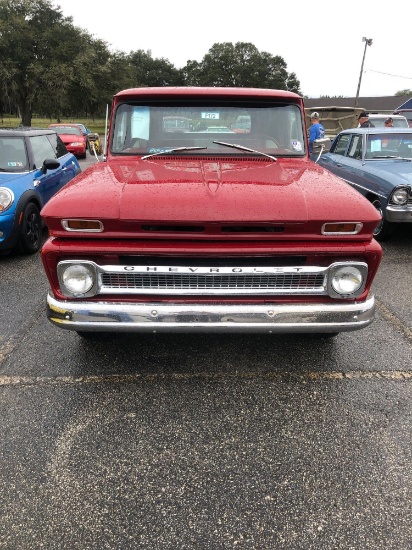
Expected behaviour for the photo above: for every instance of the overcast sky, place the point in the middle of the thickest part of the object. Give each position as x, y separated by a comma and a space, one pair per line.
321, 42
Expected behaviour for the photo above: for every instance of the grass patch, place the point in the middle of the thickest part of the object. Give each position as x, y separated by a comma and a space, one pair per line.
96, 125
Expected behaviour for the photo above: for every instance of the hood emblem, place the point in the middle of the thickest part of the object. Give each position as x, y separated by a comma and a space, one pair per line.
213, 186
212, 178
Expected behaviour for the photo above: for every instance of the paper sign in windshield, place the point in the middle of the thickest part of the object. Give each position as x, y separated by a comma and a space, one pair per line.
140, 121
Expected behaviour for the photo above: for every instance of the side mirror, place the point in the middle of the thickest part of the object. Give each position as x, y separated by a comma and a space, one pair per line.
50, 164
321, 145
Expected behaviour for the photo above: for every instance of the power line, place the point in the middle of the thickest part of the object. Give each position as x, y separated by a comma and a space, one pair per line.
388, 74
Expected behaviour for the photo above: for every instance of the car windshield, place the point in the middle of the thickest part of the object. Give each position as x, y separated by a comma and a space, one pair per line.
271, 128
71, 130
13, 155
389, 145
379, 122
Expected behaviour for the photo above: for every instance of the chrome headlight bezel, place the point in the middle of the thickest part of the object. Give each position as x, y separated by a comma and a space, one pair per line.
356, 274
6, 199
66, 273
400, 196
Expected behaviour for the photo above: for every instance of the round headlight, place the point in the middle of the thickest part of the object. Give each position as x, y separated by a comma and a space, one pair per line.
78, 278
347, 280
400, 196
6, 198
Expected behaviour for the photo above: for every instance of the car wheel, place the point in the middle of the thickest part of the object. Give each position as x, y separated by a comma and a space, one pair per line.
30, 230
385, 228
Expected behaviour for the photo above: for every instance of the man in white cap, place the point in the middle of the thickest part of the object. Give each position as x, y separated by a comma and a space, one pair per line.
316, 131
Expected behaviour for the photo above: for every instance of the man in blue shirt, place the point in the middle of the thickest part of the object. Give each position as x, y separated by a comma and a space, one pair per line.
316, 131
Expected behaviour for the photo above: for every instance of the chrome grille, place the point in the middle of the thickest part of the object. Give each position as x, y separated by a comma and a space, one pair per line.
157, 280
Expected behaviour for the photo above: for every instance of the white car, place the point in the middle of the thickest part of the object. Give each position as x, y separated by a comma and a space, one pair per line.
378, 120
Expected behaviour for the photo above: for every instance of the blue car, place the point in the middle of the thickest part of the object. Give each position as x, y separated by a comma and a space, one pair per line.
378, 163
85, 130
34, 165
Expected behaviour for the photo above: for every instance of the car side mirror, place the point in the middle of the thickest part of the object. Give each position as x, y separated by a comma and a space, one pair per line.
50, 164
321, 145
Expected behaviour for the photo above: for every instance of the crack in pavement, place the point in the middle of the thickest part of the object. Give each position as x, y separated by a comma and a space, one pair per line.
287, 375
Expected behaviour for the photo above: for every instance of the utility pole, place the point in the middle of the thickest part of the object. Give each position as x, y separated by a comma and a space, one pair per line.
368, 42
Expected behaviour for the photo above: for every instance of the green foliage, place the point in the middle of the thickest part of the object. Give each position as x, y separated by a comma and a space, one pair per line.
52, 68
153, 72
240, 65
36, 46
404, 92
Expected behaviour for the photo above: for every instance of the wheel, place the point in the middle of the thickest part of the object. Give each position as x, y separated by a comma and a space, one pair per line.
30, 230
385, 228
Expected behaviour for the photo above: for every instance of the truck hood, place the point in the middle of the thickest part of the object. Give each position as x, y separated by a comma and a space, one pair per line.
217, 190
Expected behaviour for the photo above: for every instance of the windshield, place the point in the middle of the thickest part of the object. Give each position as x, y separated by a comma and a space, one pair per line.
379, 122
13, 156
389, 145
271, 128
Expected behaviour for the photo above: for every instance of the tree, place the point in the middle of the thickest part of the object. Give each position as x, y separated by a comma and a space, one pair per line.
240, 65
404, 92
153, 72
37, 48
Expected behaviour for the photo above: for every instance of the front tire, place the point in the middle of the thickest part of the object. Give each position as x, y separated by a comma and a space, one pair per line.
385, 229
30, 230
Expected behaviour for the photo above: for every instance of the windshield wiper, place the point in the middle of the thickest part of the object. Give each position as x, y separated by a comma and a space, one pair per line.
391, 157
242, 148
174, 150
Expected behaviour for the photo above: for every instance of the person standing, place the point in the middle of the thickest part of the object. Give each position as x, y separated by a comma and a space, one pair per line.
364, 121
316, 130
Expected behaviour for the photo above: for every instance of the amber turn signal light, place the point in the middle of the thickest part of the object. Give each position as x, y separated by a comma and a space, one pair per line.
341, 228
83, 225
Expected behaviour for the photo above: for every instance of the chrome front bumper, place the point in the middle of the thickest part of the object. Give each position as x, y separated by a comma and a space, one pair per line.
399, 214
162, 317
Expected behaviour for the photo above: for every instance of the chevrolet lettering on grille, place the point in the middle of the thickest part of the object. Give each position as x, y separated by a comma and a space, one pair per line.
206, 270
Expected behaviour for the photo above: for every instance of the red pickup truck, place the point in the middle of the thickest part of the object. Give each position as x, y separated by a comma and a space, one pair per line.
209, 231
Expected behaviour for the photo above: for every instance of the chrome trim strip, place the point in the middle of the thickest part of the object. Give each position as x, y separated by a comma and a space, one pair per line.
178, 280
223, 318
364, 188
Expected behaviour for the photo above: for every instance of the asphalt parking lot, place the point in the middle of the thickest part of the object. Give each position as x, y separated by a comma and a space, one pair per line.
206, 441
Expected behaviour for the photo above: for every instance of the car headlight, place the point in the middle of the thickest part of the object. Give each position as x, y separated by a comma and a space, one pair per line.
76, 143
6, 198
77, 278
400, 196
347, 280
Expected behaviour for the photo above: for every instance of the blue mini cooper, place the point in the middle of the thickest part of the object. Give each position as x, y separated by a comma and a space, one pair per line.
34, 165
